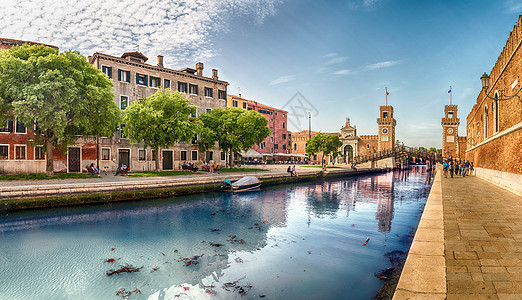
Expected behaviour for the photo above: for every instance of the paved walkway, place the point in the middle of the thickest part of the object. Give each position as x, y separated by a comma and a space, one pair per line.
110, 183
481, 244
482, 240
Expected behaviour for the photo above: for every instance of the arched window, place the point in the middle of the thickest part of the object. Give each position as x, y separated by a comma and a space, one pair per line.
295, 146
473, 134
495, 113
485, 122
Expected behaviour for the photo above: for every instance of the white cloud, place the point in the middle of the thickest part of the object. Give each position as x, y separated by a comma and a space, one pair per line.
380, 65
344, 72
513, 6
282, 79
179, 30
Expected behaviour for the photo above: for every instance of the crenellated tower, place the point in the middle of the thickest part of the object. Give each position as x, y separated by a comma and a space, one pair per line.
387, 125
450, 131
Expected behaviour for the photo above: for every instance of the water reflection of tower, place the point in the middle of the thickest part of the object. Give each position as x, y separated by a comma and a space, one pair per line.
385, 201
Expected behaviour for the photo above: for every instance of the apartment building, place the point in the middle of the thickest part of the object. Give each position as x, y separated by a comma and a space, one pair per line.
133, 78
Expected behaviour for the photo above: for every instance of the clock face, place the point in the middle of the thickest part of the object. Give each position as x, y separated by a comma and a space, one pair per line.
450, 130
384, 130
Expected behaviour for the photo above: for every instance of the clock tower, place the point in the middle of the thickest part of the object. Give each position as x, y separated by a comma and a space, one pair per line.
386, 124
450, 131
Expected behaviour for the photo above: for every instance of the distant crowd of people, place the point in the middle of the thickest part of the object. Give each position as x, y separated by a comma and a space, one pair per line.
457, 167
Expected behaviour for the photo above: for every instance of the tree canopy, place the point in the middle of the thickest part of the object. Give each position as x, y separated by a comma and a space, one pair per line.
234, 129
59, 95
160, 120
329, 144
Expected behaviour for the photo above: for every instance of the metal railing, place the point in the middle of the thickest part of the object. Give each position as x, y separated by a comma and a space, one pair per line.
398, 152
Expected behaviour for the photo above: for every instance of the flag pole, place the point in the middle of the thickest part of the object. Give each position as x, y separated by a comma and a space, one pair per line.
386, 95
451, 92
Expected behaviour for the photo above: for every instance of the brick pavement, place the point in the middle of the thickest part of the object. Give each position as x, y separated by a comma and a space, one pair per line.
482, 240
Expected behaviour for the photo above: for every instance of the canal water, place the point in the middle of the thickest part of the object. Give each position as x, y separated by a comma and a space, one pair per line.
301, 241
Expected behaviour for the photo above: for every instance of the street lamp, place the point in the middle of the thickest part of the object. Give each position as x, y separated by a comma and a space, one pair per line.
485, 86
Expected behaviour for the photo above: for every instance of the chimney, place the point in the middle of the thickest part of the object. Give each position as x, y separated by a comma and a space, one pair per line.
215, 74
199, 68
240, 96
160, 61
89, 58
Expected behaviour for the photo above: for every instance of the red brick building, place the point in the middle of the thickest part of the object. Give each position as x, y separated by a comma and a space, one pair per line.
277, 140
494, 125
18, 153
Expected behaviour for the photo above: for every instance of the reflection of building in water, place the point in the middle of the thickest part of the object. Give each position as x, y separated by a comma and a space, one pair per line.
273, 211
379, 190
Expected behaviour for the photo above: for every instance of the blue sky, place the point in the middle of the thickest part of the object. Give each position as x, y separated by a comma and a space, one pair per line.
339, 55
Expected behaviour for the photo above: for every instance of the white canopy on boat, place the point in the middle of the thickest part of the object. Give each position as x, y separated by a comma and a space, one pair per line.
246, 180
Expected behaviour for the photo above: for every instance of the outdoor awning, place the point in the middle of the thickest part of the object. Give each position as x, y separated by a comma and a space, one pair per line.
287, 155
251, 153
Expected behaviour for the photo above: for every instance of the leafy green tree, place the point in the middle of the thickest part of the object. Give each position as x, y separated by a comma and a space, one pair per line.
433, 149
329, 144
59, 95
160, 120
234, 129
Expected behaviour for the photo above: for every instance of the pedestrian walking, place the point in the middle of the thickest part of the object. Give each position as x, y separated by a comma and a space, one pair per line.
445, 169
451, 168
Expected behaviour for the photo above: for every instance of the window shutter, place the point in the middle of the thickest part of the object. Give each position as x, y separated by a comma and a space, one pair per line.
119, 74
128, 76
110, 72
10, 125
137, 78
146, 80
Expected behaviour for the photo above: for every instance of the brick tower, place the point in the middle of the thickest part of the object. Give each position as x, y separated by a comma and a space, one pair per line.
450, 131
386, 124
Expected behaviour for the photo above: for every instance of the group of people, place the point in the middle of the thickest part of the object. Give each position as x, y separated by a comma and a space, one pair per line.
291, 170
451, 167
210, 166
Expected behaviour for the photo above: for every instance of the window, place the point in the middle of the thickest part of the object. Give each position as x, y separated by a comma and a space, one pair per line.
234, 103
271, 139
153, 153
244, 105
276, 113
20, 127
193, 89
4, 152
8, 128
315, 156
123, 76
295, 146
223, 154
124, 102
485, 122
142, 79
209, 92
183, 155
155, 82
166, 83
284, 136
283, 115
142, 154
284, 124
450, 114
250, 108
182, 87
194, 154
266, 112
122, 131
20, 152
106, 153
107, 71
495, 113
276, 146
39, 153
368, 146
385, 114
194, 115
222, 94
284, 147
209, 110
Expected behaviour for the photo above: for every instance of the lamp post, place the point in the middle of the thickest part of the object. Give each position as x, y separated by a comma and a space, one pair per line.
485, 86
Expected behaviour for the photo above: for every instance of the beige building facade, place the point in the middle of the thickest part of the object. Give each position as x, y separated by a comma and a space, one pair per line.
133, 78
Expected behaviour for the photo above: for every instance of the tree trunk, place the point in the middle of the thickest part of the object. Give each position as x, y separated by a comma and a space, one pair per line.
231, 158
98, 151
156, 154
49, 166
